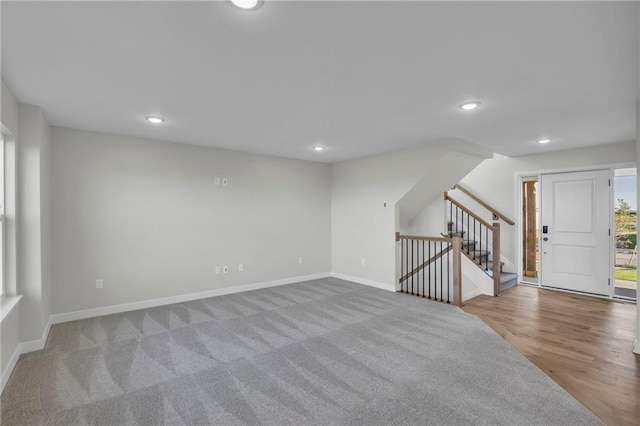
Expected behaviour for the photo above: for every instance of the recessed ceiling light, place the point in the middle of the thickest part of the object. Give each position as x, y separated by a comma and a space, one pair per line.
154, 119
544, 140
468, 106
318, 148
245, 4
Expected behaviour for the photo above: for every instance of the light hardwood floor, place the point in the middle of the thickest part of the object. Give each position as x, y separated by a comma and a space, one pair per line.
583, 343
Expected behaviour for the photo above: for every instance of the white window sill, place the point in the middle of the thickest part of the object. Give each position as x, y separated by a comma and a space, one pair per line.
7, 304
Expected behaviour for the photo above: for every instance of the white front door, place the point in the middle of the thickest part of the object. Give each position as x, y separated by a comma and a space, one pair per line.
574, 250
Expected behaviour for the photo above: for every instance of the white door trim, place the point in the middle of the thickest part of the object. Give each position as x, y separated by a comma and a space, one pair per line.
519, 175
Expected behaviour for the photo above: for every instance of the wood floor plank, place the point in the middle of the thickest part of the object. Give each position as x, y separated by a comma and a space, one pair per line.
583, 343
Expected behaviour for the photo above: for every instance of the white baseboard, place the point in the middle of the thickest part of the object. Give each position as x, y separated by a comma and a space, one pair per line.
636, 346
152, 303
9, 368
38, 344
364, 281
23, 348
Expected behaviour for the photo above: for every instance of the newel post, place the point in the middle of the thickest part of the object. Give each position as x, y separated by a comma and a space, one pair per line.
457, 269
495, 252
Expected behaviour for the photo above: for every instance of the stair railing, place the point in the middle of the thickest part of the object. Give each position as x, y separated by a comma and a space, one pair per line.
481, 239
496, 214
431, 267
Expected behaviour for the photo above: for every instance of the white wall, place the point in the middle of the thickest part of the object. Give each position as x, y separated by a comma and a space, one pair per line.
147, 218
362, 228
33, 252
9, 109
430, 221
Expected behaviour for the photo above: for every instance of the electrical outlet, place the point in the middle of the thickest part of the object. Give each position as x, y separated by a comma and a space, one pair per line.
217, 270
225, 181
300, 260
363, 262
240, 267
225, 269
217, 180
99, 284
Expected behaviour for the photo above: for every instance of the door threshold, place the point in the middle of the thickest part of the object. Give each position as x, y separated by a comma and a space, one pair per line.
583, 293
622, 299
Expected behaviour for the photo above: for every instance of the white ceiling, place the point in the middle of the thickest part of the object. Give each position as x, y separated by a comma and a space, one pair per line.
358, 77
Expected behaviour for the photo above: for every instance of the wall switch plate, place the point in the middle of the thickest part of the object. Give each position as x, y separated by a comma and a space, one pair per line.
217, 270
225, 181
300, 260
99, 284
225, 269
217, 180
240, 267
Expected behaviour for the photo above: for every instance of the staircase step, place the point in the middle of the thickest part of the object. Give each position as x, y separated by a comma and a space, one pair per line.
508, 280
469, 244
480, 254
490, 265
489, 269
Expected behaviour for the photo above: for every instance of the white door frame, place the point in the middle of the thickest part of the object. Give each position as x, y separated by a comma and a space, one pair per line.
518, 208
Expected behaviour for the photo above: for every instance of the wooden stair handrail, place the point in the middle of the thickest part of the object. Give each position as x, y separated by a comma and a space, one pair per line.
416, 237
483, 204
467, 211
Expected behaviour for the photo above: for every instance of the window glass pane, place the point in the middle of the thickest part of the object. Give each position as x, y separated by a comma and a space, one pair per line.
626, 247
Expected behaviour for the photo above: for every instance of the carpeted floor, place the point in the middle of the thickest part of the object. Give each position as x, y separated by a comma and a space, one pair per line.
320, 352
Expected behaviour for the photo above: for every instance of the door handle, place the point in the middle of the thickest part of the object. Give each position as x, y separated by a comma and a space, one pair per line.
545, 239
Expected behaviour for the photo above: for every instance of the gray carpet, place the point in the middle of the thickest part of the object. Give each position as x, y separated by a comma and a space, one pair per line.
320, 352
